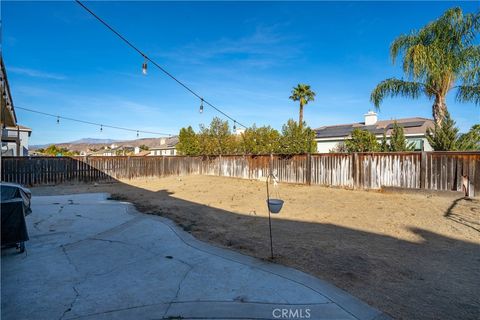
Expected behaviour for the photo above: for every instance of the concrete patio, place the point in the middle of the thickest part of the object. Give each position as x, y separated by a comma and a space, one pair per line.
93, 258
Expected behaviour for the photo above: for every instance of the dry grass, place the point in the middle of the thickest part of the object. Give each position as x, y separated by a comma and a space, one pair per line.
412, 256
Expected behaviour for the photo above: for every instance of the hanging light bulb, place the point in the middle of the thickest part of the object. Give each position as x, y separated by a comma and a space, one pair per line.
234, 125
101, 128
137, 134
201, 106
58, 120
144, 67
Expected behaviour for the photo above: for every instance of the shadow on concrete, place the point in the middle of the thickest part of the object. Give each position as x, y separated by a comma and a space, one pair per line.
434, 278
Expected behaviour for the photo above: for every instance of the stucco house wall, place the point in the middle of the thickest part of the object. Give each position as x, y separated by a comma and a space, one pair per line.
328, 138
9, 144
326, 146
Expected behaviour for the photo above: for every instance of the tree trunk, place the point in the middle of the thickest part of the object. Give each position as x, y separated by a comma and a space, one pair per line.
439, 109
300, 115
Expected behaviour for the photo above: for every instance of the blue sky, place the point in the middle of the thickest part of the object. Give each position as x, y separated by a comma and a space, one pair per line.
242, 56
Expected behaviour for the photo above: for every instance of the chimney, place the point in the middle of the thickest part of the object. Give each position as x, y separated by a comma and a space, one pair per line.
370, 118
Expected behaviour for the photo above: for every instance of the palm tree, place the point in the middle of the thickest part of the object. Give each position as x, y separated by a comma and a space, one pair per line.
304, 94
440, 57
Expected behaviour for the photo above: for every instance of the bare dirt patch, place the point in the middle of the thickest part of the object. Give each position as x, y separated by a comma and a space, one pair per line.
412, 256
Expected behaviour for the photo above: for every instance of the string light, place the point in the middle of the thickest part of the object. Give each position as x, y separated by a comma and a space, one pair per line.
144, 67
156, 64
201, 106
92, 123
137, 134
234, 126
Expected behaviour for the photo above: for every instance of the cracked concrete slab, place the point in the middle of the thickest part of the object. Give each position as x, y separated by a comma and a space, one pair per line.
92, 258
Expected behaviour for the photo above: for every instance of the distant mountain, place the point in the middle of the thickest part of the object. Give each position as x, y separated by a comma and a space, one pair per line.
80, 141
87, 144
92, 141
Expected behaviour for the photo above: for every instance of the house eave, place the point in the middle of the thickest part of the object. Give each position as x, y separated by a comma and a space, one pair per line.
8, 116
378, 136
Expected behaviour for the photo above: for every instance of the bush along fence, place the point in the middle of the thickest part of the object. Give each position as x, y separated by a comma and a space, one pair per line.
454, 171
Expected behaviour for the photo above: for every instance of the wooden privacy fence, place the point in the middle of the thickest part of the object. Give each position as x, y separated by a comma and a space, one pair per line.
32, 171
457, 171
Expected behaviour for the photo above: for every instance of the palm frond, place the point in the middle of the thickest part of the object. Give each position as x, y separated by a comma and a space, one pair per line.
468, 60
435, 58
418, 60
401, 44
469, 93
302, 91
394, 87
471, 76
459, 28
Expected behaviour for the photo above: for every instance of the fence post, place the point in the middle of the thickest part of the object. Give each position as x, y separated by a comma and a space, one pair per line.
471, 177
128, 167
18, 142
309, 169
423, 170
355, 170
86, 175
163, 174
270, 165
219, 165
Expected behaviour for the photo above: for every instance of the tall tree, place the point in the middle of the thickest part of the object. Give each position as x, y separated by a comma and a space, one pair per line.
443, 137
447, 138
222, 139
440, 57
188, 144
398, 141
297, 139
144, 147
304, 95
362, 141
262, 140
53, 150
471, 139
384, 146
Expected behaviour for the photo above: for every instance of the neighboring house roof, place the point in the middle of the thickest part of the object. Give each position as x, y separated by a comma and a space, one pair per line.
100, 152
21, 128
169, 143
411, 126
142, 153
10, 134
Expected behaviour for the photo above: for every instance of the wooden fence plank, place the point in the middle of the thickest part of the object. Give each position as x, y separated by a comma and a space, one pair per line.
427, 170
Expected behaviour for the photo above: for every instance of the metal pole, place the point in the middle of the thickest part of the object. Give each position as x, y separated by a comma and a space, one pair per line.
269, 218
18, 141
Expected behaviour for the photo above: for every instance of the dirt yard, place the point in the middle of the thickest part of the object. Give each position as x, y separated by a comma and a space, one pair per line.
412, 256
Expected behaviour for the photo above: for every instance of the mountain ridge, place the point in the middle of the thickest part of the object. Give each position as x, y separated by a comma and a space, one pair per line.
86, 144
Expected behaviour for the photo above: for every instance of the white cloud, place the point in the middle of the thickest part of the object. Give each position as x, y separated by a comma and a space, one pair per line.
36, 73
266, 47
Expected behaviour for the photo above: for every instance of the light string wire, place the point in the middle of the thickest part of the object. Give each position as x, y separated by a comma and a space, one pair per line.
156, 64
101, 125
